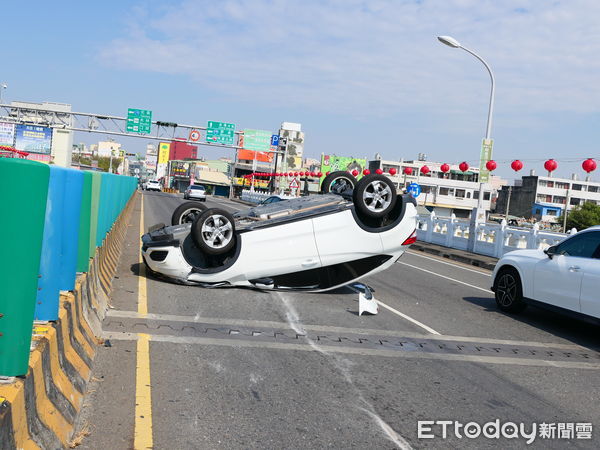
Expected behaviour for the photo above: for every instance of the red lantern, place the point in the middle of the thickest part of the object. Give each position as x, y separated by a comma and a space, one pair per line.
589, 165
295, 174
378, 171
407, 171
301, 174
319, 174
445, 168
516, 165
366, 172
327, 173
393, 171
355, 172
463, 166
425, 170
550, 165
313, 174
491, 165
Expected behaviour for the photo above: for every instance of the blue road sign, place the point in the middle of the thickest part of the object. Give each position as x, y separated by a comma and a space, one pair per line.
414, 189
275, 140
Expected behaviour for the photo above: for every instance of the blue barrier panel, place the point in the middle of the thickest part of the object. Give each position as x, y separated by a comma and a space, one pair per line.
46, 307
71, 222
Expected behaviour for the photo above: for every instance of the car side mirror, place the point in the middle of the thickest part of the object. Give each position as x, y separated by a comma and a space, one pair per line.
550, 251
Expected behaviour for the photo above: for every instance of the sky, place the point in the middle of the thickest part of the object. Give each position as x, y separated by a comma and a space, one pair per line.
362, 77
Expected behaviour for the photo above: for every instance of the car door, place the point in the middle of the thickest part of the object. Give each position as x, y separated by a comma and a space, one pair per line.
558, 280
339, 239
590, 284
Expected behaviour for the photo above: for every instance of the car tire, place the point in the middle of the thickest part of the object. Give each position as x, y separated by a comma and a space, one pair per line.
508, 291
186, 213
374, 196
214, 231
338, 182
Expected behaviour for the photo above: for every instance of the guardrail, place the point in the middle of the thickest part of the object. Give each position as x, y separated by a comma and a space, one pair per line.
490, 239
53, 219
257, 197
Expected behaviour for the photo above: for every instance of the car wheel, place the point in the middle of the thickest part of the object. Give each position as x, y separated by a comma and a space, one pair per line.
509, 291
374, 195
214, 231
186, 213
338, 182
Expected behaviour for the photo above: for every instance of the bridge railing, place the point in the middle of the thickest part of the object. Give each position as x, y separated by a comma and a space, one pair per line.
52, 219
491, 239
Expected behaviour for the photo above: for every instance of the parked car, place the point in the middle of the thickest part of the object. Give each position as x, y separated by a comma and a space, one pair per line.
271, 199
564, 277
153, 185
195, 192
313, 243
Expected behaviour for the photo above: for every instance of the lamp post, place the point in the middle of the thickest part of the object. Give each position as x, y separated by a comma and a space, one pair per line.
2, 86
479, 213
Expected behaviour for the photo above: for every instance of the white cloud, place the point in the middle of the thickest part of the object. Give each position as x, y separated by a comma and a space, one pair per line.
369, 57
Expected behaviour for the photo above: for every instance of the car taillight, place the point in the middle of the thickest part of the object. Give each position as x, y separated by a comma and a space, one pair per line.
411, 239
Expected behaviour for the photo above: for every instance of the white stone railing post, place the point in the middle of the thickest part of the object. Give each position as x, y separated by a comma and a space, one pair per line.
429, 232
533, 237
450, 231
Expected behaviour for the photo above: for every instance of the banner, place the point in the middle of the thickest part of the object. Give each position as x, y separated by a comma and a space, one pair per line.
486, 154
333, 163
33, 139
151, 162
163, 152
7, 134
260, 156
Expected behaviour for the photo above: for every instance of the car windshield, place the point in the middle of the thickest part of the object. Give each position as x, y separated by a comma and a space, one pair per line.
197, 187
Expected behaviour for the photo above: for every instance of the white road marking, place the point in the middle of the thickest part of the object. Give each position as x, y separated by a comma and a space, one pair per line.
119, 336
410, 319
447, 278
480, 272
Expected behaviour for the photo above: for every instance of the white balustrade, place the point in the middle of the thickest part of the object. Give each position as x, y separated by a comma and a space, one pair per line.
491, 239
257, 197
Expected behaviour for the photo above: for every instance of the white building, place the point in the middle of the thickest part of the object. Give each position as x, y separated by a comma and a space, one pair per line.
106, 148
545, 198
454, 192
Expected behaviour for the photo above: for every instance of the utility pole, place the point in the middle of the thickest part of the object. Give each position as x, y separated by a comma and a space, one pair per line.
507, 202
566, 206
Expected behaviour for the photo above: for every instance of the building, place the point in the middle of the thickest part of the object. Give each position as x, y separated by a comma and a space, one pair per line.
545, 198
107, 148
181, 150
455, 192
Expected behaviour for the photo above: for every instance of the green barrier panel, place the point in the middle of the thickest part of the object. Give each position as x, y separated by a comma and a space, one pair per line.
24, 187
96, 185
83, 249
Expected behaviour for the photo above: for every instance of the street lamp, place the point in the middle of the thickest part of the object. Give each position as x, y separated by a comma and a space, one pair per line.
451, 42
2, 86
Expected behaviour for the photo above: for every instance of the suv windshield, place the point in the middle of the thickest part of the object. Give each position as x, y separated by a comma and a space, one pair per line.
197, 187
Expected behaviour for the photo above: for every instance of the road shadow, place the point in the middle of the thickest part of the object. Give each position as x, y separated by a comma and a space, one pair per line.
577, 331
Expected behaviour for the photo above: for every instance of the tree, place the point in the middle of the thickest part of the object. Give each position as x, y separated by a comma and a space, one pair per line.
584, 216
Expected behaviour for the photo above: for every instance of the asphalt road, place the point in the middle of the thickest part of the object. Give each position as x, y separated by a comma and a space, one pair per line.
237, 368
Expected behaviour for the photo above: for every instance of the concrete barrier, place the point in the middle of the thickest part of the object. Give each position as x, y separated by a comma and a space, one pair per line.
40, 410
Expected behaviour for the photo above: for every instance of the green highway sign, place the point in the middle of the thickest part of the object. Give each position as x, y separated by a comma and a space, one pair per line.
139, 121
257, 140
220, 132
486, 155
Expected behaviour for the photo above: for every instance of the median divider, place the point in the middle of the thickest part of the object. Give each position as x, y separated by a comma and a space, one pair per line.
45, 365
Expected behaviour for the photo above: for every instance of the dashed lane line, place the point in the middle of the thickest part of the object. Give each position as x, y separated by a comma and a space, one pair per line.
459, 266
446, 278
410, 319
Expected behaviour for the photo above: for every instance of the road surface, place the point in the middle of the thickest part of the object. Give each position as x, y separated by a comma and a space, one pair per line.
237, 368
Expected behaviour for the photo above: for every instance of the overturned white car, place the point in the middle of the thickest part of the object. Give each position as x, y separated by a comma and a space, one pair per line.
314, 243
